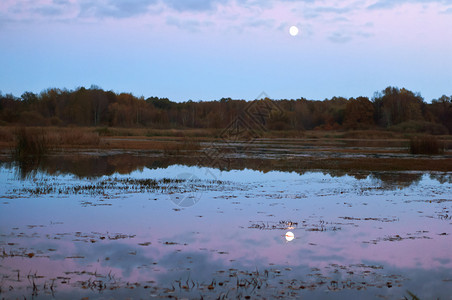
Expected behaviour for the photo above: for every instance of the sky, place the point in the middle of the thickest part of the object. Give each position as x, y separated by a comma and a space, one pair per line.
210, 49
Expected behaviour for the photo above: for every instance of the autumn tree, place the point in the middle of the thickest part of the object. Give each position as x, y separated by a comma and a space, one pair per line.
99, 104
394, 106
29, 98
399, 109
359, 113
278, 120
441, 108
10, 108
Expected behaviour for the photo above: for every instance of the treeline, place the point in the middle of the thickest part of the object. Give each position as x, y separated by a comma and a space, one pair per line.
392, 108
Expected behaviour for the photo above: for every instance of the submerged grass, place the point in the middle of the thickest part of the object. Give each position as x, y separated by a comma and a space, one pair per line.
126, 185
225, 284
413, 296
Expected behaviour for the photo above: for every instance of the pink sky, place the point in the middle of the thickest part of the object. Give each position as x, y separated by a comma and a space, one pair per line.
208, 49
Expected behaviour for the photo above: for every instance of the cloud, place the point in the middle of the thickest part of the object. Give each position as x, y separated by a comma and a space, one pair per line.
388, 4
70, 9
365, 34
336, 21
25, 10
312, 11
194, 5
115, 8
339, 37
49, 10
335, 10
260, 23
104, 8
383, 4
190, 25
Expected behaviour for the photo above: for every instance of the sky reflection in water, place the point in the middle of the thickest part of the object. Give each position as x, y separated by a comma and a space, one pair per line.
346, 230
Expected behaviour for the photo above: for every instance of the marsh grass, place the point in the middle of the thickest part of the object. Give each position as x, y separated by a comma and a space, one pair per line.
185, 133
6, 135
420, 127
186, 145
426, 145
103, 131
30, 142
77, 137
369, 134
38, 141
32, 145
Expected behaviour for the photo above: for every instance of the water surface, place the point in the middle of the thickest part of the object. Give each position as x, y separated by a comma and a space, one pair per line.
190, 231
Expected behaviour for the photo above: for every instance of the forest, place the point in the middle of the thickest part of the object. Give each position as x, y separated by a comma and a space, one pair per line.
391, 109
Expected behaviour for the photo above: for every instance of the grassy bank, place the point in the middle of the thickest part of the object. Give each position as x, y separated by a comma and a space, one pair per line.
173, 141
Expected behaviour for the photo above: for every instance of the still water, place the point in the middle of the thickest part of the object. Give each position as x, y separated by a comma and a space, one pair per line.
192, 232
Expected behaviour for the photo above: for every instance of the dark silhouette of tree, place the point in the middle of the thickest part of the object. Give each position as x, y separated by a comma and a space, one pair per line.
160, 103
392, 107
441, 109
29, 98
10, 108
359, 113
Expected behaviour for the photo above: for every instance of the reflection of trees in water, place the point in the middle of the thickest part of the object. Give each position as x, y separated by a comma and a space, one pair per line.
90, 165
85, 166
442, 178
29, 166
394, 180
95, 165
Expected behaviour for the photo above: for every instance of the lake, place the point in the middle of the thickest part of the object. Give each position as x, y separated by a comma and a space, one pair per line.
111, 227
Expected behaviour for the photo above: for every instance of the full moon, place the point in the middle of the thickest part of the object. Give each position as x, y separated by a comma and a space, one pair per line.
293, 30
289, 236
